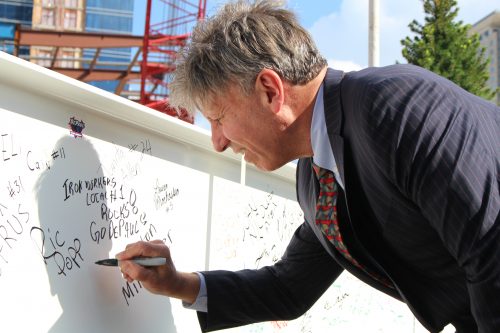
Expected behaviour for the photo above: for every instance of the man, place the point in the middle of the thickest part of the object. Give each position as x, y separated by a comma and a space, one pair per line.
413, 174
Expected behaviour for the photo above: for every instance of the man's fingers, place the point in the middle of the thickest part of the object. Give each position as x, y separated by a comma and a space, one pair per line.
154, 248
133, 271
149, 276
127, 277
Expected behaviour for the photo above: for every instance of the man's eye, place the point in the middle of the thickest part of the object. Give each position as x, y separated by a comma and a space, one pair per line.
216, 122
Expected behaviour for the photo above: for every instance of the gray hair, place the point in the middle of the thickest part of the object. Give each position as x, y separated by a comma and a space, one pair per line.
233, 46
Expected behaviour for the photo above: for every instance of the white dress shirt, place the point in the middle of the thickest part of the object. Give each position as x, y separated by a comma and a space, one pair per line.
320, 142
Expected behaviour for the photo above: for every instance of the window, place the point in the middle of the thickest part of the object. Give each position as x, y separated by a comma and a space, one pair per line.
70, 19
44, 54
71, 3
48, 17
66, 63
48, 3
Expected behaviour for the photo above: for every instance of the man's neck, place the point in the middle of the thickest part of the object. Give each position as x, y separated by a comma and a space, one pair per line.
301, 101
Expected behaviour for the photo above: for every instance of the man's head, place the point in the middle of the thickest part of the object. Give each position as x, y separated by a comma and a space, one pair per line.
246, 45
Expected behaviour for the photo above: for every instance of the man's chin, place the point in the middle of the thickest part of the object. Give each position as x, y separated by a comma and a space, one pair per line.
249, 160
262, 166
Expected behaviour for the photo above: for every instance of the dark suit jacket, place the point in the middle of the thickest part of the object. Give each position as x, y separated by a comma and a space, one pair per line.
419, 158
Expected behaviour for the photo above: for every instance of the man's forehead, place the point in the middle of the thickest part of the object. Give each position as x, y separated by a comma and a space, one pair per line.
215, 102
207, 105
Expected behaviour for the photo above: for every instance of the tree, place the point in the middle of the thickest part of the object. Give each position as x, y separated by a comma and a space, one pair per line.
444, 47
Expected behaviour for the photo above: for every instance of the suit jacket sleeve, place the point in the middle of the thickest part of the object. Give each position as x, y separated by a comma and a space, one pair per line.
283, 291
444, 157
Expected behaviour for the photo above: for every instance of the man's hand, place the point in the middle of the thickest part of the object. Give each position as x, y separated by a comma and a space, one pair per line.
163, 280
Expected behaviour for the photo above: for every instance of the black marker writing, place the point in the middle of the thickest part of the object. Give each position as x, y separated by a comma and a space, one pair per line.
15, 187
11, 228
8, 148
72, 188
164, 196
35, 165
114, 230
128, 291
64, 257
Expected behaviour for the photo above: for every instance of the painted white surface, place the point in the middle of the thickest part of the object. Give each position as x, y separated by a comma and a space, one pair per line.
254, 233
67, 201
135, 173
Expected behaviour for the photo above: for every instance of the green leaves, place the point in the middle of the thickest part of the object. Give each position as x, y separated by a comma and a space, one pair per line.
444, 47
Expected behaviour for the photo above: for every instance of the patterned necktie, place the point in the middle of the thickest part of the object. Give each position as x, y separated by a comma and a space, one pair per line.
326, 219
326, 211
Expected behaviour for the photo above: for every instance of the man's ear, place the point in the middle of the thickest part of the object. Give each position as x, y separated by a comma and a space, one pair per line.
269, 87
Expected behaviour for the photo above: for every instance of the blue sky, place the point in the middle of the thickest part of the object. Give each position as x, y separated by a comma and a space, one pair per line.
340, 27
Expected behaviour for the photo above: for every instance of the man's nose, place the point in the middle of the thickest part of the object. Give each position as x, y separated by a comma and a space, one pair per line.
219, 141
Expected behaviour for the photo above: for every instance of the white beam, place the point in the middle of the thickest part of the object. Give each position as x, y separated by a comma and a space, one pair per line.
373, 34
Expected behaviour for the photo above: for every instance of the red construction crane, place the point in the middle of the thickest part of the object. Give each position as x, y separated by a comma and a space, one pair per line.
162, 42
146, 75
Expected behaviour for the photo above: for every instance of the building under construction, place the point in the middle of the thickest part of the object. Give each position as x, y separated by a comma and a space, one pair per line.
92, 41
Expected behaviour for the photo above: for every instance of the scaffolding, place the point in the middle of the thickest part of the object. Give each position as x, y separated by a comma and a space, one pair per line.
143, 78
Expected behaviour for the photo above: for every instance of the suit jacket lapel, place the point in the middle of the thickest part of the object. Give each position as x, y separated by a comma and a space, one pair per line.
334, 116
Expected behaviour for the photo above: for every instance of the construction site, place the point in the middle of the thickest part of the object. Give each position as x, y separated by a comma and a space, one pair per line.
63, 37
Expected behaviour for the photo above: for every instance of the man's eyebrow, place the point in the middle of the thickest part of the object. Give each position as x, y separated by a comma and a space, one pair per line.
221, 113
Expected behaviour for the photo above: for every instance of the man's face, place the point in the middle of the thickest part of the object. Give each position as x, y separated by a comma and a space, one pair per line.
247, 126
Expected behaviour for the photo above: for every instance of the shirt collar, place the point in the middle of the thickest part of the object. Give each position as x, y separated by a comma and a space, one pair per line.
319, 134
320, 141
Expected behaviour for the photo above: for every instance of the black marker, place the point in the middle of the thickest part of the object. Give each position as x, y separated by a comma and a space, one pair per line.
153, 261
